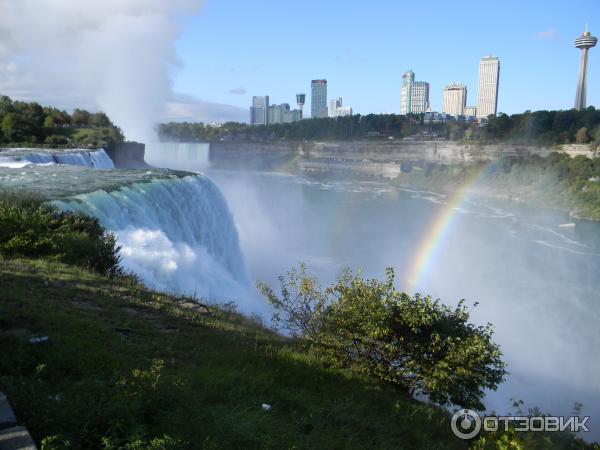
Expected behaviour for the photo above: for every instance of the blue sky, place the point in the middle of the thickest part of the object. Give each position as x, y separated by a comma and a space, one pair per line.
235, 49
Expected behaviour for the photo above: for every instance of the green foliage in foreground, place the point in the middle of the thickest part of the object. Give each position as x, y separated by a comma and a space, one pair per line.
31, 228
127, 368
415, 343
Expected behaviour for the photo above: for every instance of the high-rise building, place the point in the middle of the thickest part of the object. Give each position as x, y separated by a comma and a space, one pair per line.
283, 114
407, 81
487, 89
584, 42
419, 102
414, 98
318, 105
454, 99
259, 111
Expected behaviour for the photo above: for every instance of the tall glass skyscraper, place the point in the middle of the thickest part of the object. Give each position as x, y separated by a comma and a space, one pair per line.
414, 97
259, 111
318, 104
487, 89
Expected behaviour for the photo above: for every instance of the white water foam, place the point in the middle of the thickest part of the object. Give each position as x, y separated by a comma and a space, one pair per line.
177, 235
97, 159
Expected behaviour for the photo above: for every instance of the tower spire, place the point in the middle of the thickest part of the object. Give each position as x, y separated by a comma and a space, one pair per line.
584, 43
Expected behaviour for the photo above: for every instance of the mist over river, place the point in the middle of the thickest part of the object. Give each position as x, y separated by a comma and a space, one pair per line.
538, 283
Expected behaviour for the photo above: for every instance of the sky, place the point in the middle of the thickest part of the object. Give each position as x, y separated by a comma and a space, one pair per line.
235, 49
145, 61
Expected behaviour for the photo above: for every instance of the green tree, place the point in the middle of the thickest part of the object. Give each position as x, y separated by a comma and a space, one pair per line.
6, 105
9, 126
80, 118
415, 343
100, 120
49, 123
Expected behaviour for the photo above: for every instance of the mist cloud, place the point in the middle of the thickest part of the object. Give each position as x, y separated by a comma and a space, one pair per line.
113, 55
186, 108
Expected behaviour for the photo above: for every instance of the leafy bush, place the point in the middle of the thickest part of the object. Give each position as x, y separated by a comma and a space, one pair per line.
415, 343
31, 228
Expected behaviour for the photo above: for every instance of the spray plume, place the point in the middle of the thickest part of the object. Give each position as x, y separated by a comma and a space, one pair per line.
113, 55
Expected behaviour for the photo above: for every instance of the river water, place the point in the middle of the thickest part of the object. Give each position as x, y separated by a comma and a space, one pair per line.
537, 282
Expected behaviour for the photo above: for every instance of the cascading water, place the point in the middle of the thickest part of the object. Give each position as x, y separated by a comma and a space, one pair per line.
97, 159
178, 155
177, 235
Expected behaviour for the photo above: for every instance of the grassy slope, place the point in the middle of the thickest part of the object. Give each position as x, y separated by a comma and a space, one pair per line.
218, 370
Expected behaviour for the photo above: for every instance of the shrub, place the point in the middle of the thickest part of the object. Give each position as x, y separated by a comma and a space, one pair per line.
415, 343
31, 228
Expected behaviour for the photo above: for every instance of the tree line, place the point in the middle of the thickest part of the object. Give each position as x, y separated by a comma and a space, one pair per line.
539, 127
29, 123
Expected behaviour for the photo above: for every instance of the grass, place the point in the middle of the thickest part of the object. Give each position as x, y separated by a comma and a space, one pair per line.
128, 368
126, 365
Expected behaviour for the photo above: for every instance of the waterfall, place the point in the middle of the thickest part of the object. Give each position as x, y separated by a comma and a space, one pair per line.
97, 159
100, 160
177, 235
178, 155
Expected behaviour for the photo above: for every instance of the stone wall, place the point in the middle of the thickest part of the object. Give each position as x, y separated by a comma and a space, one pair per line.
394, 151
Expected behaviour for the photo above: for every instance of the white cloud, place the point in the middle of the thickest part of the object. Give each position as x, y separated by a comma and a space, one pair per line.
238, 91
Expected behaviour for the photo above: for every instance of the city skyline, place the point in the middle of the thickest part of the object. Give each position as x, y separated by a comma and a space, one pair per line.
213, 72
538, 59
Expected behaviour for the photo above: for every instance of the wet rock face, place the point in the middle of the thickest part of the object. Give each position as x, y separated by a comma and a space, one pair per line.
128, 155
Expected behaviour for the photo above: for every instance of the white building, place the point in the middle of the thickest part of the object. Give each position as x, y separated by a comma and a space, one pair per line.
334, 104
487, 90
414, 98
283, 114
344, 111
336, 108
454, 99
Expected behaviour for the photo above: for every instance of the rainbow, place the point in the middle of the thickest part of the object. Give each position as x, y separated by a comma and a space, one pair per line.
434, 235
